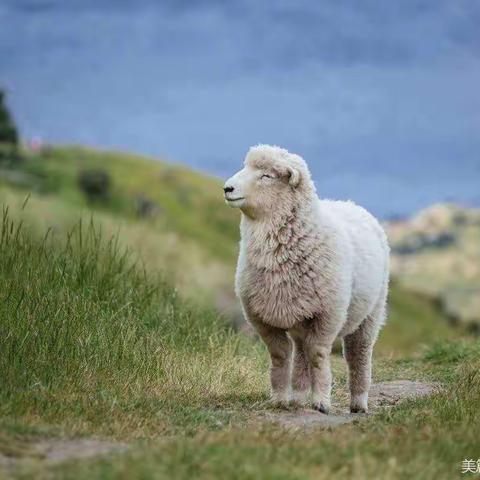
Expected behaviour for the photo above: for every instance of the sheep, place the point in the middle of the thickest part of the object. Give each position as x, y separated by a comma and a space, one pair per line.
309, 271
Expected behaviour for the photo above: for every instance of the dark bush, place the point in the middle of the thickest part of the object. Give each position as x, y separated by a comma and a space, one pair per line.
8, 131
95, 184
145, 207
10, 156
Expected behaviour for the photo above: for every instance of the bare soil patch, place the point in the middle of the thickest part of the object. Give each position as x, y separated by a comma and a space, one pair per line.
385, 394
55, 450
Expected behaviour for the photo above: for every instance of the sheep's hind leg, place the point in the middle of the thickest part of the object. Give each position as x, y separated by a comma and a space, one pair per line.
357, 350
280, 349
301, 379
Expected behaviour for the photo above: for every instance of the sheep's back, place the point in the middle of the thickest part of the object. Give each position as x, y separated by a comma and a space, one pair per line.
370, 255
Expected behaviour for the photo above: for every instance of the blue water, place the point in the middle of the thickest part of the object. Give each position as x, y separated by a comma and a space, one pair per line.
381, 98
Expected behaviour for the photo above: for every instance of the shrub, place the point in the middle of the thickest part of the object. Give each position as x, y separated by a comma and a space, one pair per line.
10, 157
145, 207
8, 131
95, 184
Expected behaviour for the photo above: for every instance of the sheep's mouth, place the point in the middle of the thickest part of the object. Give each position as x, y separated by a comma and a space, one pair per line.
234, 199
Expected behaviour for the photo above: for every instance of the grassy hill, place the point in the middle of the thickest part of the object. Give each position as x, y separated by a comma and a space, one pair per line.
97, 342
191, 236
93, 346
187, 201
192, 239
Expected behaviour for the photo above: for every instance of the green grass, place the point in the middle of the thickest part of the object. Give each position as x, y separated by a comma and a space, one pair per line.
194, 239
421, 439
188, 265
190, 204
92, 345
96, 340
414, 323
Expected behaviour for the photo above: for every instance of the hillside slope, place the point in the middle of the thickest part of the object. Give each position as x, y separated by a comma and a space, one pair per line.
192, 238
183, 201
92, 346
437, 254
186, 232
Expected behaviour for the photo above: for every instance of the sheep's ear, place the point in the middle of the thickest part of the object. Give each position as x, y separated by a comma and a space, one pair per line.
293, 176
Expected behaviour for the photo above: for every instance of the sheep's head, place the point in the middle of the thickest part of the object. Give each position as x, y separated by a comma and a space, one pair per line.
272, 178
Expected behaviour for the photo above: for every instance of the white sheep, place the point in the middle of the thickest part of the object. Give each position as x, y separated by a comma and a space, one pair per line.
309, 271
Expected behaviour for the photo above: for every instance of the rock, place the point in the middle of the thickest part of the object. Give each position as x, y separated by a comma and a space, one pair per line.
390, 393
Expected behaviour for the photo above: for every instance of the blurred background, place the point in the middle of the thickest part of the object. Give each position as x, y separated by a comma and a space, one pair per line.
380, 98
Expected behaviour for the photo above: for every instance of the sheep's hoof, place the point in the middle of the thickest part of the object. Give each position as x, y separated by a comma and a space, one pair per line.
359, 403
320, 407
299, 399
280, 401
355, 409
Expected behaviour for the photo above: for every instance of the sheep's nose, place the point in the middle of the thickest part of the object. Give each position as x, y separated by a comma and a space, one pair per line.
228, 189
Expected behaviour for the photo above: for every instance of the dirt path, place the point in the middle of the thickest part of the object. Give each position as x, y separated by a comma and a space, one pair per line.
55, 450
381, 395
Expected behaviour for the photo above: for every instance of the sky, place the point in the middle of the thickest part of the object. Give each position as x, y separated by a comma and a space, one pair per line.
381, 98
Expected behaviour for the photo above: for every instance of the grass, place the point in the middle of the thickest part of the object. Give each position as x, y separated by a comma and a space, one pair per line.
422, 439
89, 343
92, 345
189, 203
414, 323
189, 267
96, 341
193, 240
450, 274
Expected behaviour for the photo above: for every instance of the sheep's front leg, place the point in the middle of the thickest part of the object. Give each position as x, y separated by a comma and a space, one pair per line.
301, 381
319, 338
318, 353
280, 349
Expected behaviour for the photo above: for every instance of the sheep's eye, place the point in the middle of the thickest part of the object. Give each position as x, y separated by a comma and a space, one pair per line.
265, 175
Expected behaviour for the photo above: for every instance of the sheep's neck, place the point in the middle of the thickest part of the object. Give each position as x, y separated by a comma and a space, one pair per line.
272, 240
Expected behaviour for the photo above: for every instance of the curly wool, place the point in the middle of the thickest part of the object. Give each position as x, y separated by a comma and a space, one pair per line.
309, 257
309, 271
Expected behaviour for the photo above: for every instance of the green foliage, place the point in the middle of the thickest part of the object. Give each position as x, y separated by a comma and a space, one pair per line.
87, 339
8, 131
9, 155
447, 353
95, 184
413, 323
423, 439
91, 344
186, 202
